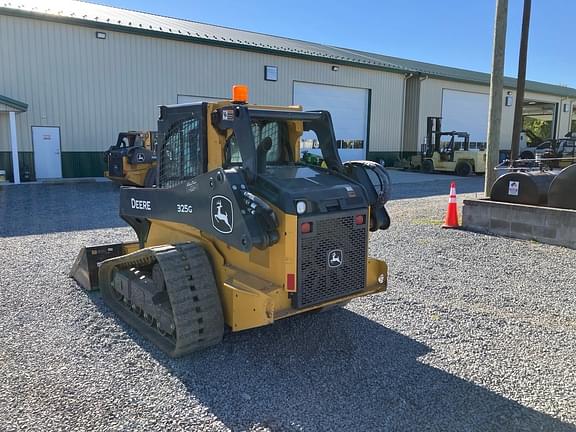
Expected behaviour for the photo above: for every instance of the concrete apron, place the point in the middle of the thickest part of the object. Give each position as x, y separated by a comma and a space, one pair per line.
544, 224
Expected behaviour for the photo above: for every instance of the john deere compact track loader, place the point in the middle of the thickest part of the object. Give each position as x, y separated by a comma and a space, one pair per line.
132, 160
239, 232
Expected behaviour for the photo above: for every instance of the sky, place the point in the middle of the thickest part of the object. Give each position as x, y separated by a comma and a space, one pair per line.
456, 33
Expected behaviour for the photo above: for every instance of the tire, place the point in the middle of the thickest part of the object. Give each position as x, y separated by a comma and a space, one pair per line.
427, 166
463, 169
150, 181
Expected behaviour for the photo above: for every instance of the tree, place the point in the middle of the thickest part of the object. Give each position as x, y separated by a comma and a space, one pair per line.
541, 128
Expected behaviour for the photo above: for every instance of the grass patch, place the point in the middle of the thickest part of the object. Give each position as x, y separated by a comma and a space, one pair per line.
427, 221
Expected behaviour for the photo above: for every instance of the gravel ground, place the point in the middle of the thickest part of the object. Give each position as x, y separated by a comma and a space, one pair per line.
476, 333
410, 184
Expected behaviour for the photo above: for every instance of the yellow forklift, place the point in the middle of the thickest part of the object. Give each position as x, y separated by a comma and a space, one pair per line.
239, 232
454, 155
132, 160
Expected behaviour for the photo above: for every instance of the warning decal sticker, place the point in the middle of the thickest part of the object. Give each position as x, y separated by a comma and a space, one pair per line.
513, 188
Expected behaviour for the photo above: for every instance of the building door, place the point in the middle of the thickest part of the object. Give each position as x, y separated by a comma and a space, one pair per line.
464, 111
539, 120
348, 107
47, 159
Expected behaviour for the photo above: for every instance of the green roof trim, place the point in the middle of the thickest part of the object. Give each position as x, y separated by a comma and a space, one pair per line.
129, 21
464, 75
13, 103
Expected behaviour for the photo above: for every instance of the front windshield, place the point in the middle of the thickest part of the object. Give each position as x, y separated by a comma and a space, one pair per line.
261, 138
270, 138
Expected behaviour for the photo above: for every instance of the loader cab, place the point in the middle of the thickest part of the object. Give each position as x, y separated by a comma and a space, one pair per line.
131, 161
249, 139
131, 139
125, 140
262, 146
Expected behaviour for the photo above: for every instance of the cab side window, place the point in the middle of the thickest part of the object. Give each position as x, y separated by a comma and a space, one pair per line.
181, 157
277, 152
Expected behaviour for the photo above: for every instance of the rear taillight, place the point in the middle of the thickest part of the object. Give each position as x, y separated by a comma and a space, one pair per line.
291, 282
359, 219
306, 227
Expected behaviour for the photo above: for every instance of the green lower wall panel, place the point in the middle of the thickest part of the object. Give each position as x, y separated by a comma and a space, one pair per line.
389, 157
91, 164
25, 161
82, 164
74, 164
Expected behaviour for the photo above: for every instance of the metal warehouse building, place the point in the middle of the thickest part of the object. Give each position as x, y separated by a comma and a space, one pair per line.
75, 74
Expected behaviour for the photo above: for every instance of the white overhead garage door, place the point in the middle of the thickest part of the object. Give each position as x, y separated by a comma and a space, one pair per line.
349, 109
465, 112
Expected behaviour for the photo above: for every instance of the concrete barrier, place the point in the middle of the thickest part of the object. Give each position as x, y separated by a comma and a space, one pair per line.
544, 224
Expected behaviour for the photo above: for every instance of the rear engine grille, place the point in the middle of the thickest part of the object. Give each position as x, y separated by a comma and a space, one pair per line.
335, 237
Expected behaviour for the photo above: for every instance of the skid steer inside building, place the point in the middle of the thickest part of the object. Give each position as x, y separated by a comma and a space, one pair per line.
239, 232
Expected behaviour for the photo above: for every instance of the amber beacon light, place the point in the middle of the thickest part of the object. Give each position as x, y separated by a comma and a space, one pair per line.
240, 93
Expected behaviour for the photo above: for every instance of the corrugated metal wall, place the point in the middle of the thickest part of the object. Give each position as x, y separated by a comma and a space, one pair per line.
4, 132
411, 114
431, 105
95, 88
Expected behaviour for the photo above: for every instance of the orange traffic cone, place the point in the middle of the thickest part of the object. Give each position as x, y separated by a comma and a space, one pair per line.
451, 220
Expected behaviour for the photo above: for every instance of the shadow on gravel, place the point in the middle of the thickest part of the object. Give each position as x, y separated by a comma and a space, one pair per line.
44, 208
437, 187
339, 371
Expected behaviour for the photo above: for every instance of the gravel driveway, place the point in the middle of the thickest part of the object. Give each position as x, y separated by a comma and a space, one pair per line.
476, 333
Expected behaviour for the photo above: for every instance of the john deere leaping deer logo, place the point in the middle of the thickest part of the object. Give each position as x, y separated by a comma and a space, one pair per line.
335, 258
222, 214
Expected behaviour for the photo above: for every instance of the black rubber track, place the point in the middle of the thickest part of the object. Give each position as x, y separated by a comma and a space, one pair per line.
192, 291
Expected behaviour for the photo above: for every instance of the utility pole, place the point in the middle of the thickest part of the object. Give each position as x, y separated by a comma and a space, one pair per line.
521, 82
496, 94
